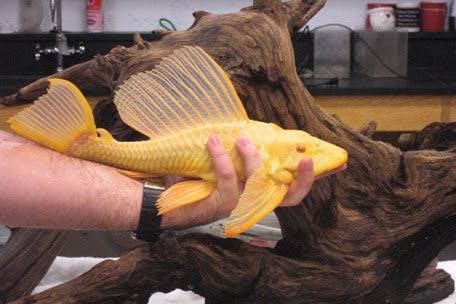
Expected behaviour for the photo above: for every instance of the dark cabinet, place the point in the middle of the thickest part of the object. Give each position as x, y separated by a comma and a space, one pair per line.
17, 51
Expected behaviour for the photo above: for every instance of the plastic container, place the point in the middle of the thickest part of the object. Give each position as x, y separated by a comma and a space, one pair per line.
433, 16
408, 17
30, 15
332, 53
382, 19
391, 47
94, 11
372, 6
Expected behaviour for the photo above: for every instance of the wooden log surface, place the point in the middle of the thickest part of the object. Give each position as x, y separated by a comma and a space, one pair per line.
25, 259
392, 113
366, 235
211, 266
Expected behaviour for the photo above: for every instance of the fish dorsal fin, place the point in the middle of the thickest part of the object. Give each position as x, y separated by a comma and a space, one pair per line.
186, 90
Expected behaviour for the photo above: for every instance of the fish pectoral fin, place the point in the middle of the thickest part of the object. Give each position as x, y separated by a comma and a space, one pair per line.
156, 179
261, 196
184, 193
139, 175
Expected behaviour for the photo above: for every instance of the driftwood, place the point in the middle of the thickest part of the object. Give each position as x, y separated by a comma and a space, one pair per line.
439, 136
367, 235
25, 259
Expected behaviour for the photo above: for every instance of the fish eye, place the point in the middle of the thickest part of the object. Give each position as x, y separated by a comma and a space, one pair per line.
300, 149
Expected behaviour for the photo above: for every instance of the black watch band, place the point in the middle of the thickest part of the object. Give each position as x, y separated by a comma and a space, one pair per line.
149, 221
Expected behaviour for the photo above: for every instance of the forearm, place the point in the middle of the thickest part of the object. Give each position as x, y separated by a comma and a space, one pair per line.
41, 188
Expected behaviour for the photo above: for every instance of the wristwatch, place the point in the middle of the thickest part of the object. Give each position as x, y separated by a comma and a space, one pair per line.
149, 221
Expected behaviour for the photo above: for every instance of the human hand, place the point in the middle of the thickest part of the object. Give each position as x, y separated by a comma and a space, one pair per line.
228, 190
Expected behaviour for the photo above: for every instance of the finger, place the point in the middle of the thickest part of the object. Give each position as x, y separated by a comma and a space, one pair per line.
340, 169
223, 166
224, 170
250, 155
301, 186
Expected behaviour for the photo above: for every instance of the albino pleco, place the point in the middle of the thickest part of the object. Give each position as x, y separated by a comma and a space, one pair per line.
178, 105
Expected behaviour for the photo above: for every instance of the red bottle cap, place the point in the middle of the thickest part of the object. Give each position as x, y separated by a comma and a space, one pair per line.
434, 5
379, 4
94, 4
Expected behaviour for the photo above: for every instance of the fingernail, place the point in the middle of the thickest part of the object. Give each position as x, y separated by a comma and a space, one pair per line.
307, 163
214, 139
243, 141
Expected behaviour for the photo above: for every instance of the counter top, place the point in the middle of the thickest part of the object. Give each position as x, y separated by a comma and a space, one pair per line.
317, 87
74, 35
380, 86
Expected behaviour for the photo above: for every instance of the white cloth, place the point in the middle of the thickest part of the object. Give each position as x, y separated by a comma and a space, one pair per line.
65, 269
450, 267
5, 234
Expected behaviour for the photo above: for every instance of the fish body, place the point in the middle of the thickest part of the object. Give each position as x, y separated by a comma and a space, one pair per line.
184, 153
179, 105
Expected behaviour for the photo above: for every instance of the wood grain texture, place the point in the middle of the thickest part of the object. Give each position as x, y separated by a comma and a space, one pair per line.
365, 236
448, 109
25, 259
392, 113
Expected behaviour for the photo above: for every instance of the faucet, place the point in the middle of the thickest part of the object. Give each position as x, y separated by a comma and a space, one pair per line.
61, 47
56, 6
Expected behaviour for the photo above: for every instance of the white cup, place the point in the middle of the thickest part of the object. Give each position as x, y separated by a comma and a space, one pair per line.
382, 19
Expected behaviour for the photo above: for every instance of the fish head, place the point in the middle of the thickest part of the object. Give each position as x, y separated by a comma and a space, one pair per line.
288, 149
291, 146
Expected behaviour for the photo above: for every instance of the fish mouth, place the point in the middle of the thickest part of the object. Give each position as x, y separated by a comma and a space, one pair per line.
332, 159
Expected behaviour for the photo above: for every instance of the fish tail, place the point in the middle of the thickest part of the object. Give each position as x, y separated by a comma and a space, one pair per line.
57, 119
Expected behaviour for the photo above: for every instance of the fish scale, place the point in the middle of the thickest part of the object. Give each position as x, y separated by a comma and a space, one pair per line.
178, 106
175, 155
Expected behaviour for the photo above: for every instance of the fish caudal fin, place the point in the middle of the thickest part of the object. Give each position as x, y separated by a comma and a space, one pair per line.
261, 196
183, 193
57, 118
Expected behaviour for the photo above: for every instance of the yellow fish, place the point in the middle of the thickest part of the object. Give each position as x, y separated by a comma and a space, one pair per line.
178, 105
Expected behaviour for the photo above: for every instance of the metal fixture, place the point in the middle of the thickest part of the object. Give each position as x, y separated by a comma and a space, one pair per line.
61, 47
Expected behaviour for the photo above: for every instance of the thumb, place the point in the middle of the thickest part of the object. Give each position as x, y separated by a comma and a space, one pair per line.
301, 186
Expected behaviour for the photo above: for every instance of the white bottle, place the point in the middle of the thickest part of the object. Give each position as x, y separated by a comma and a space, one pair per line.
408, 16
30, 15
382, 19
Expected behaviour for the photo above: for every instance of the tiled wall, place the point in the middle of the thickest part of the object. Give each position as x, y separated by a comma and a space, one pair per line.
143, 15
